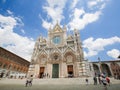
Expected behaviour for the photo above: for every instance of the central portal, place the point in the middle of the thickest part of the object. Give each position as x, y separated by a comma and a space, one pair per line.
55, 71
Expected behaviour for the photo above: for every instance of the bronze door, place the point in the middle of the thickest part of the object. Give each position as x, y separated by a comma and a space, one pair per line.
41, 72
70, 70
55, 71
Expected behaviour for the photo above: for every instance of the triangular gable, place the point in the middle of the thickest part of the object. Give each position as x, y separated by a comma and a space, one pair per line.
70, 37
43, 52
69, 49
55, 50
57, 28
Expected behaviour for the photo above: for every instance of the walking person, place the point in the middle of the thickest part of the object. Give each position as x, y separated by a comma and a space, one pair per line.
86, 81
104, 81
29, 81
108, 80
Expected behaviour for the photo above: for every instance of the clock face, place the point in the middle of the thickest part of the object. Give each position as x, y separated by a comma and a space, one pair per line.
56, 40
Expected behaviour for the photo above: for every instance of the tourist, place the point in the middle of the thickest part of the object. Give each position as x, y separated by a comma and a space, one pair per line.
95, 80
100, 79
104, 81
29, 81
86, 81
2, 74
108, 80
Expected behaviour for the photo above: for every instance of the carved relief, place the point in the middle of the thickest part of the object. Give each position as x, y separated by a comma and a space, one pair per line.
69, 59
43, 60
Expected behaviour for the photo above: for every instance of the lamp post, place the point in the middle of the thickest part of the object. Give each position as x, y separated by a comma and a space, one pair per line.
100, 64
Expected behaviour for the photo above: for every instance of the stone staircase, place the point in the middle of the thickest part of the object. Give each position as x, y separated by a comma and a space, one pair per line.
54, 81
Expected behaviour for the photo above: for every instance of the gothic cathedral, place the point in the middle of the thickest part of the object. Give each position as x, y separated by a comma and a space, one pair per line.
59, 56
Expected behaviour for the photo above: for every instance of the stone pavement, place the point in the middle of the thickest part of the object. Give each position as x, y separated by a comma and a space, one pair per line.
56, 84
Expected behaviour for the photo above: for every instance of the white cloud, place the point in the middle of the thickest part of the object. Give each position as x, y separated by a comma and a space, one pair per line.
23, 31
7, 23
46, 24
81, 19
95, 46
114, 53
92, 3
54, 9
87, 12
74, 3
90, 13
100, 4
10, 40
9, 12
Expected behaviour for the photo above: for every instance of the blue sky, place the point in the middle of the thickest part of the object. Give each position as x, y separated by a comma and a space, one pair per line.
23, 21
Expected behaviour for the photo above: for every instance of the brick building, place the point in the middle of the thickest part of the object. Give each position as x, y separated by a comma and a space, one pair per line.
11, 65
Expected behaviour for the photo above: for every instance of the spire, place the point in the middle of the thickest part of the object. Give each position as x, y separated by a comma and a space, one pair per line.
50, 28
64, 28
75, 30
57, 22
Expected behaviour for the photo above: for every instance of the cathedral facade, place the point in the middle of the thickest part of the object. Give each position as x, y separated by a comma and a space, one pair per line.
59, 56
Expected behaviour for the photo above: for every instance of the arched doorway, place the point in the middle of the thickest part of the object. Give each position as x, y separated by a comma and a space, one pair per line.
96, 69
42, 60
105, 69
70, 70
56, 59
41, 73
55, 71
69, 58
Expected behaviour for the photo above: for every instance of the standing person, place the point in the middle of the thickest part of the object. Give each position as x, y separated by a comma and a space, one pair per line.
100, 79
95, 80
108, 80
86, 81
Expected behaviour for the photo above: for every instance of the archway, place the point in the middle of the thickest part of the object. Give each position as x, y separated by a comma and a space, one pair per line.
70, 70
42, 60
106, 69
56, 61
96, 69
70, 58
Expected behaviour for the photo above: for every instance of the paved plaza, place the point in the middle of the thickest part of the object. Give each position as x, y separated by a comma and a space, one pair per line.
56, 84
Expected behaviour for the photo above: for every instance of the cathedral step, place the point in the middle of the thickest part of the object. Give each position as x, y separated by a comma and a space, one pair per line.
54, 81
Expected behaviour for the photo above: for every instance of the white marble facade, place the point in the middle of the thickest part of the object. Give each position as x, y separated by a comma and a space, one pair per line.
59, 55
